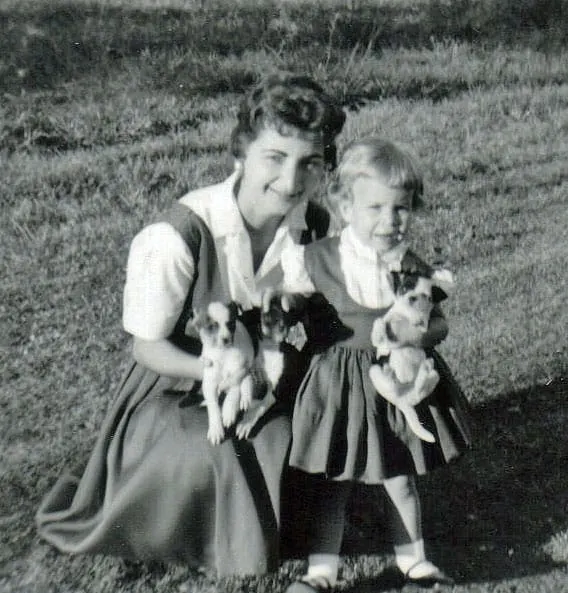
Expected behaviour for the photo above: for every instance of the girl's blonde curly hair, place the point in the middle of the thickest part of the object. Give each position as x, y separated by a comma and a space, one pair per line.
374, 157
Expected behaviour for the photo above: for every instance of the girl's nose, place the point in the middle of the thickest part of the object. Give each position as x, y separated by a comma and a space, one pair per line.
390, 217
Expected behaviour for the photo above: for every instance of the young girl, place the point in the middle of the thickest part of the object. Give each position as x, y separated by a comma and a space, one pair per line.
343, 431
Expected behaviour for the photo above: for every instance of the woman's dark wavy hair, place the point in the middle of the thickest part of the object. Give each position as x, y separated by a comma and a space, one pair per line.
287, 100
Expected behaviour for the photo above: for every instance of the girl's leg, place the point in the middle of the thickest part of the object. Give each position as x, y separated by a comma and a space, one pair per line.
324, 505
406, 520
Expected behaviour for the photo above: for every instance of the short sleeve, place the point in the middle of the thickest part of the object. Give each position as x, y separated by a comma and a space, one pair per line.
159, 274
296, 277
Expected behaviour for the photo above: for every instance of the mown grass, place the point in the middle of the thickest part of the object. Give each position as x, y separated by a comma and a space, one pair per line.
110, 111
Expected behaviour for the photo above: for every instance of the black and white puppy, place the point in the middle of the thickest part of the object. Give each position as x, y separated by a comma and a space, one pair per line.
277, 324
228, 354
408, 376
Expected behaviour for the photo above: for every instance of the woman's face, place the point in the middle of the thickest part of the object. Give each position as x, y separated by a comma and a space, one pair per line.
278, 172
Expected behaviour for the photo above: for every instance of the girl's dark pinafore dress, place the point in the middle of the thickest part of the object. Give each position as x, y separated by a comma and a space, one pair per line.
341, 427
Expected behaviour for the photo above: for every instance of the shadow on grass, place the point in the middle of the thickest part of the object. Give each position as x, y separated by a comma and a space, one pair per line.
488, 516
46, 45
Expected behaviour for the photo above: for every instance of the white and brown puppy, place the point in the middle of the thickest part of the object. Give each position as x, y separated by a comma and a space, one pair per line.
227, 353
408, 376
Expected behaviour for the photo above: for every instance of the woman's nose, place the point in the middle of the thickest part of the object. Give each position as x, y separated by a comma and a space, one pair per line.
291, 179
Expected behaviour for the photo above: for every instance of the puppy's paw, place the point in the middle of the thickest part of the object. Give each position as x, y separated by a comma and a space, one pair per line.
215, 433
405, 374
230, 407
246, 392
248, 421
426, 380
384, 382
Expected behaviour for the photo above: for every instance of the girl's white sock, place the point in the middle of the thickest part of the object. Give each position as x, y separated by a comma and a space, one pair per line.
323, 565
408, 555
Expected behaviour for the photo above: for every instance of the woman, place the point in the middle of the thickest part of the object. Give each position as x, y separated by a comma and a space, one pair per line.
154, 487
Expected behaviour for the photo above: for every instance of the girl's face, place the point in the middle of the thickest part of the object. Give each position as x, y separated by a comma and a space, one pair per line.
278, 172
378, 214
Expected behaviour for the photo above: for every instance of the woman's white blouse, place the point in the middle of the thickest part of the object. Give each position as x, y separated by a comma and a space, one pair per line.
161, 268
367, 276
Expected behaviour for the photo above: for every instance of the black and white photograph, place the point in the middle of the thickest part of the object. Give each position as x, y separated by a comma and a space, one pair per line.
283, 296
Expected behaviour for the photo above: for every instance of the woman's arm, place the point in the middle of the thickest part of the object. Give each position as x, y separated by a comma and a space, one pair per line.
164, 358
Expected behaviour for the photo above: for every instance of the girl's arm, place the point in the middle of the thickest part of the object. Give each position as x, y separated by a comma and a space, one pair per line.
164, 358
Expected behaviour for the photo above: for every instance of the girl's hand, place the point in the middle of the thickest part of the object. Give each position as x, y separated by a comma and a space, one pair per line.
436, 333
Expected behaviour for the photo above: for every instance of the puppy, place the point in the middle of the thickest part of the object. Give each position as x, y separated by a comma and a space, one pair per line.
277, 325
227, 353
406, 376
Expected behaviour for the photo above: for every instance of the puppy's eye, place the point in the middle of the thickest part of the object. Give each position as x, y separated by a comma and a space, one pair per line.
212, 326
412, 299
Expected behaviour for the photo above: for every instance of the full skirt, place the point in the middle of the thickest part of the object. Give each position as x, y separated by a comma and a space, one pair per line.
154, 487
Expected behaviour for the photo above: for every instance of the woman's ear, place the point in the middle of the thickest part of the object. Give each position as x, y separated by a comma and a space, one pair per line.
238, 168
345, 208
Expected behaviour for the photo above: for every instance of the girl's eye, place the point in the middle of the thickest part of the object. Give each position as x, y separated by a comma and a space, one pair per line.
275, 158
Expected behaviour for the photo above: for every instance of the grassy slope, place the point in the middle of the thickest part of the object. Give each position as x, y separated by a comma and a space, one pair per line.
113, 123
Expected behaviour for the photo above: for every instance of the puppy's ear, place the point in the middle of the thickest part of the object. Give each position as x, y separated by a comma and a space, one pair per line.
196, 319
235, 309
396, 281
438, 294
443, 281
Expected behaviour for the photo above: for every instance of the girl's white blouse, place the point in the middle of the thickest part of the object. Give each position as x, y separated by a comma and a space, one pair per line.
161, 268
367, 275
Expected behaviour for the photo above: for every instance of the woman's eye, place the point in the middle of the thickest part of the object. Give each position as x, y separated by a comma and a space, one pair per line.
314, 165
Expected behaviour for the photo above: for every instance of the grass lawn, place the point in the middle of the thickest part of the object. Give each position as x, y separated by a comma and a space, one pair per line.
110, 110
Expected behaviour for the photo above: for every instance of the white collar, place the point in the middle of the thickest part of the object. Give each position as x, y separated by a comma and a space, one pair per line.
392, 258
